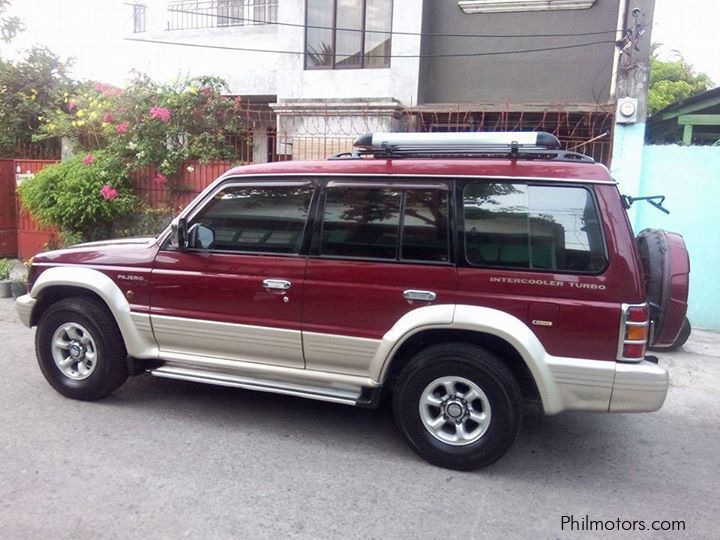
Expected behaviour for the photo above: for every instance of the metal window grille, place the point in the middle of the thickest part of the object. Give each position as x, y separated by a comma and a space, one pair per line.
189, 14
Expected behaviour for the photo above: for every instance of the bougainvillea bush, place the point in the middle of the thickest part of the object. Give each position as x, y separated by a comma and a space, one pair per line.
84, 196
151, 124
116, 131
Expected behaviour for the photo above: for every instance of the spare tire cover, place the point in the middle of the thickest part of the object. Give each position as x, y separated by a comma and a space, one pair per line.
667, 267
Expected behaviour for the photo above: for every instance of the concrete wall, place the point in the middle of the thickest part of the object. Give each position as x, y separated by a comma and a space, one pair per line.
580, 75
247, 73
689, 176
628, 159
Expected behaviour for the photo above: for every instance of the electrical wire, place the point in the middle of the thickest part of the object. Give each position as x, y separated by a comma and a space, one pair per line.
441, 55
389, 32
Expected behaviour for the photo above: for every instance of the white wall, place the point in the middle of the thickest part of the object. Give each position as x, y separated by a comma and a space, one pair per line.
247, 73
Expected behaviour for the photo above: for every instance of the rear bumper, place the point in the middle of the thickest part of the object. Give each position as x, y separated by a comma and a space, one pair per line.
24, 306
591, 385
639, 387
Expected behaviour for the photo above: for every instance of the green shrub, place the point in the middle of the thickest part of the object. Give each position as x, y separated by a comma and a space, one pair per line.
82, 196
146, 222
6, 266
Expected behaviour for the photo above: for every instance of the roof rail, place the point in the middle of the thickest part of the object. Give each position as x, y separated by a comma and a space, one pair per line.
512, 144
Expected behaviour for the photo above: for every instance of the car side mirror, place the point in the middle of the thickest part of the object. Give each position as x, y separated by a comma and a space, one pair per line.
178, 234
200, 236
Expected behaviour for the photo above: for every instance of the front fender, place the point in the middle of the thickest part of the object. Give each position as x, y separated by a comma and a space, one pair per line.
134, 327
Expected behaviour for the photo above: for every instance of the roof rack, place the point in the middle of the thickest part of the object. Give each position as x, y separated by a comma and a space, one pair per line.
512, 144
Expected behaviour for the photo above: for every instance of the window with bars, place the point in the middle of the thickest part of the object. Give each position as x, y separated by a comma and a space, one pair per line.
348, 34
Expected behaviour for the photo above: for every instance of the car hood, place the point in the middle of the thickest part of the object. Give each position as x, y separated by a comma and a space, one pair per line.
120, 252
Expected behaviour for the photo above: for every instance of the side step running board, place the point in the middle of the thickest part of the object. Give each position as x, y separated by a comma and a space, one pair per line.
333, 395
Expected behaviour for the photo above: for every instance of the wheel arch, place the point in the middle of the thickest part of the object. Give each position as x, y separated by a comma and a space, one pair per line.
51, 294
502, 349
63, 282
503, 334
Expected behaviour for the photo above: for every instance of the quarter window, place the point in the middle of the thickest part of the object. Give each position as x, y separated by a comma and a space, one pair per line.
348, 34
535, 227
258, 218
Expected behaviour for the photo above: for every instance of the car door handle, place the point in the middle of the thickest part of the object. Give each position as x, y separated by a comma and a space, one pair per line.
277, 284
424, 296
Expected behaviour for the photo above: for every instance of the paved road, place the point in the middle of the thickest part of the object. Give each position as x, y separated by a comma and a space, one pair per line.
168, 459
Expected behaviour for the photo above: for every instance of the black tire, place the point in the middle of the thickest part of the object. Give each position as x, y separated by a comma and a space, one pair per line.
474, 364
682, 338
110, 368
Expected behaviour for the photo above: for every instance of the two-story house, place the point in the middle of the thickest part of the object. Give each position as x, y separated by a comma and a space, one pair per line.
315, 73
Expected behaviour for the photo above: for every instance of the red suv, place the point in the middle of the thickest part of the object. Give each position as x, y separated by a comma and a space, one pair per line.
461, 274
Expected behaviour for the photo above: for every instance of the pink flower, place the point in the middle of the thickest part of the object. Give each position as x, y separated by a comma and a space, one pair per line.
160, 179
89, 159
72, 105
109, 193
161, 113
121, 128
108, 118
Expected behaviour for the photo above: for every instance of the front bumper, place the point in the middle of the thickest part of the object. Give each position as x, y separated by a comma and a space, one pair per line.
24, 305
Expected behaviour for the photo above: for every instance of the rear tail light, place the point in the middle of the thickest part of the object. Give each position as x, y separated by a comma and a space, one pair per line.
634, 332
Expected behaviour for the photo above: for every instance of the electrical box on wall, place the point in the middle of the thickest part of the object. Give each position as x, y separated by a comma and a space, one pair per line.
627, 111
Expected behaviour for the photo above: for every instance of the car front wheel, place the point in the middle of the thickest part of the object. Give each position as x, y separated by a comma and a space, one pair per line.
458, 405
80, 349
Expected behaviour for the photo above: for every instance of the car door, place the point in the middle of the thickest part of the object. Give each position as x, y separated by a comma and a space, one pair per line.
237, 294
380, 249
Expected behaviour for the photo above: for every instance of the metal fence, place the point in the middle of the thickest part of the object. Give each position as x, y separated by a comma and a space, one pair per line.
189, 14
322, 133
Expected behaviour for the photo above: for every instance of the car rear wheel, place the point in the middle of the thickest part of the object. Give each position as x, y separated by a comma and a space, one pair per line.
80, 349
458, 406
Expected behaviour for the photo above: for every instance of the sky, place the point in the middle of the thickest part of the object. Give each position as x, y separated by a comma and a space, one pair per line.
92, 32
690, 27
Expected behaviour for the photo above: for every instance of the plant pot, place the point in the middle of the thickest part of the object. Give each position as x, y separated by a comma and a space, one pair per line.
5, 288
18, 288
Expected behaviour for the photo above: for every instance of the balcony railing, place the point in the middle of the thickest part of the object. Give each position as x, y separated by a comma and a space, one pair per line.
189, 14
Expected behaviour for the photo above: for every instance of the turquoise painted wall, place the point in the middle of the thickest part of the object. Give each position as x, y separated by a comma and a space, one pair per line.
627, 159
689, 176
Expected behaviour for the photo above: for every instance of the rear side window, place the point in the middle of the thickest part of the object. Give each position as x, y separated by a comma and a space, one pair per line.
532, 227
385, 223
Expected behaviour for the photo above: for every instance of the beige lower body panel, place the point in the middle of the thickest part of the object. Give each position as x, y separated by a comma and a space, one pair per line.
338, 368
228, 341
340, 354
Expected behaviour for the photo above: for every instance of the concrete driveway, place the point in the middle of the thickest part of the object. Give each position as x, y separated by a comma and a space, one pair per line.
168, 459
